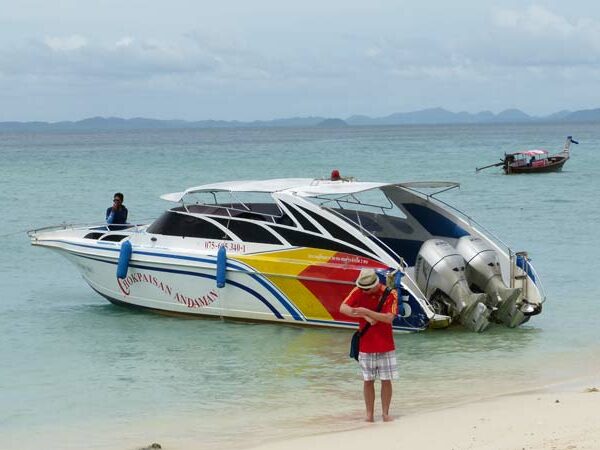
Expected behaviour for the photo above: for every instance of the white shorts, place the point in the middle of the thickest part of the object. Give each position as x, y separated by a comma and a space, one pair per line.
378, 365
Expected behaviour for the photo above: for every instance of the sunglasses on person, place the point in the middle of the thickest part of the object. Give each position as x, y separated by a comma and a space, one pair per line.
116, 200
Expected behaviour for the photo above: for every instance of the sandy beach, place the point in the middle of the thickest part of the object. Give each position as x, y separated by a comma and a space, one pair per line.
555, 419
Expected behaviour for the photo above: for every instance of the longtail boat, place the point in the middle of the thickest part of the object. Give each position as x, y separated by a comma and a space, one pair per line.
534, 161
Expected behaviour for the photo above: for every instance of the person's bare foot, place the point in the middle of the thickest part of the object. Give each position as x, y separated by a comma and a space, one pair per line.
387, 418
370, 419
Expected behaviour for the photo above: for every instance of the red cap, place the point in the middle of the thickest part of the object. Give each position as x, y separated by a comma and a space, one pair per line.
335, 175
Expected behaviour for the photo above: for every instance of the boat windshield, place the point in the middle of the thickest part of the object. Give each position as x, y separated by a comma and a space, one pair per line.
372, 201
376, 212
245, 205
395, 216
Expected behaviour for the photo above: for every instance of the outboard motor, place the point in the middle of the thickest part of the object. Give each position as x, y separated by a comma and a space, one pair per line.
483, 271
440, 274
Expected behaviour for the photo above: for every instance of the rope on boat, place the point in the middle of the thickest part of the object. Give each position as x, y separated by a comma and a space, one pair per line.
13, 233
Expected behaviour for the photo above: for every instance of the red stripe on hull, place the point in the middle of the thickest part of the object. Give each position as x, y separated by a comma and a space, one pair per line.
340, 267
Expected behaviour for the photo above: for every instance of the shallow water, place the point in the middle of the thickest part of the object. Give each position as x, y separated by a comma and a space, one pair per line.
81, 373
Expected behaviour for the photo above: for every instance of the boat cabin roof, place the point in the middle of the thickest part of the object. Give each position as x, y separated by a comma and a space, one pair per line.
536, 152
302, 187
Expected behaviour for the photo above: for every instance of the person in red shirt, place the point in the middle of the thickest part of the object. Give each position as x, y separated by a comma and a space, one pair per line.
376, 356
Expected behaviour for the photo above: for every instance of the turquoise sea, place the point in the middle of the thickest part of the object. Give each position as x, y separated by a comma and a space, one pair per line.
79, 373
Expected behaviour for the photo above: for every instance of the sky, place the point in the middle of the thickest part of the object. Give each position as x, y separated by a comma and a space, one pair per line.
266, 59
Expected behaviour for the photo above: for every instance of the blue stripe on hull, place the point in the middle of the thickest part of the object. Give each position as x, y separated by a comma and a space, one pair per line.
284, 302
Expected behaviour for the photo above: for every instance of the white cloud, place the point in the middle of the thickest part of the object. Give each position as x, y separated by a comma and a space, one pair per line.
373, 52
535, 20
533, 37
65, 44
130, 58
124, 42
471, 58
548, 28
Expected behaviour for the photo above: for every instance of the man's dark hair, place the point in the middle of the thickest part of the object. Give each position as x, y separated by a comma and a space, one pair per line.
119, 195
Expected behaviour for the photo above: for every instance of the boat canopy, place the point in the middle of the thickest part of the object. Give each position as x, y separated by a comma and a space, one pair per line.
302, 187
531, 152
324, 187
267, 186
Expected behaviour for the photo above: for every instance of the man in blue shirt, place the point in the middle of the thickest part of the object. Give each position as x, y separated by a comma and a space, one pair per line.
117, 213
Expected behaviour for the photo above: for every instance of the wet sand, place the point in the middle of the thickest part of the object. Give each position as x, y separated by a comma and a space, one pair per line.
556, 419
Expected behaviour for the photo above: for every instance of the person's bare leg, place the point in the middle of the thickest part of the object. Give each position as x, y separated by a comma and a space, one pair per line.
386, 400
369, 393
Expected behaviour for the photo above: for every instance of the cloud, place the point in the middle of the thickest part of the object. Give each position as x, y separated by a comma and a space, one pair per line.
193, 60
538, 36
65, 44
534, 20
530, 44
533, 42
124, 42
527, 44
130, 58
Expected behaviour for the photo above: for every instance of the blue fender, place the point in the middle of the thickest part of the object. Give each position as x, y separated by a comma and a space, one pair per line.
124, 258
221, 267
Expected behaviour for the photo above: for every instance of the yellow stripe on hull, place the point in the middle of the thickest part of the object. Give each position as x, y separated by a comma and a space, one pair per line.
282, 269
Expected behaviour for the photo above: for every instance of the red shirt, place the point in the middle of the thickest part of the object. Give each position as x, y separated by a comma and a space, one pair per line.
378, 338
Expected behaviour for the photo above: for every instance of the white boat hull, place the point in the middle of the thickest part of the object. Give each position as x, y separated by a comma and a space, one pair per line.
183, 284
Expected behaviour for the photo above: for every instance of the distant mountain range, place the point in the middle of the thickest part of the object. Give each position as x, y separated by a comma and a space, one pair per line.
438, 116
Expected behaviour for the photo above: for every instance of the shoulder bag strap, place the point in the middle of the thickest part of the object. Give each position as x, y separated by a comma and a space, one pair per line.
384, 296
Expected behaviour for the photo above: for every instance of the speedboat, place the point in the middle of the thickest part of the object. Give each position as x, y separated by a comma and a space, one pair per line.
534, 161
289, 250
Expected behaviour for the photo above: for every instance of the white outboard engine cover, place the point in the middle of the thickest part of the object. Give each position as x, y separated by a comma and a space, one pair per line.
440, 267
483, 271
